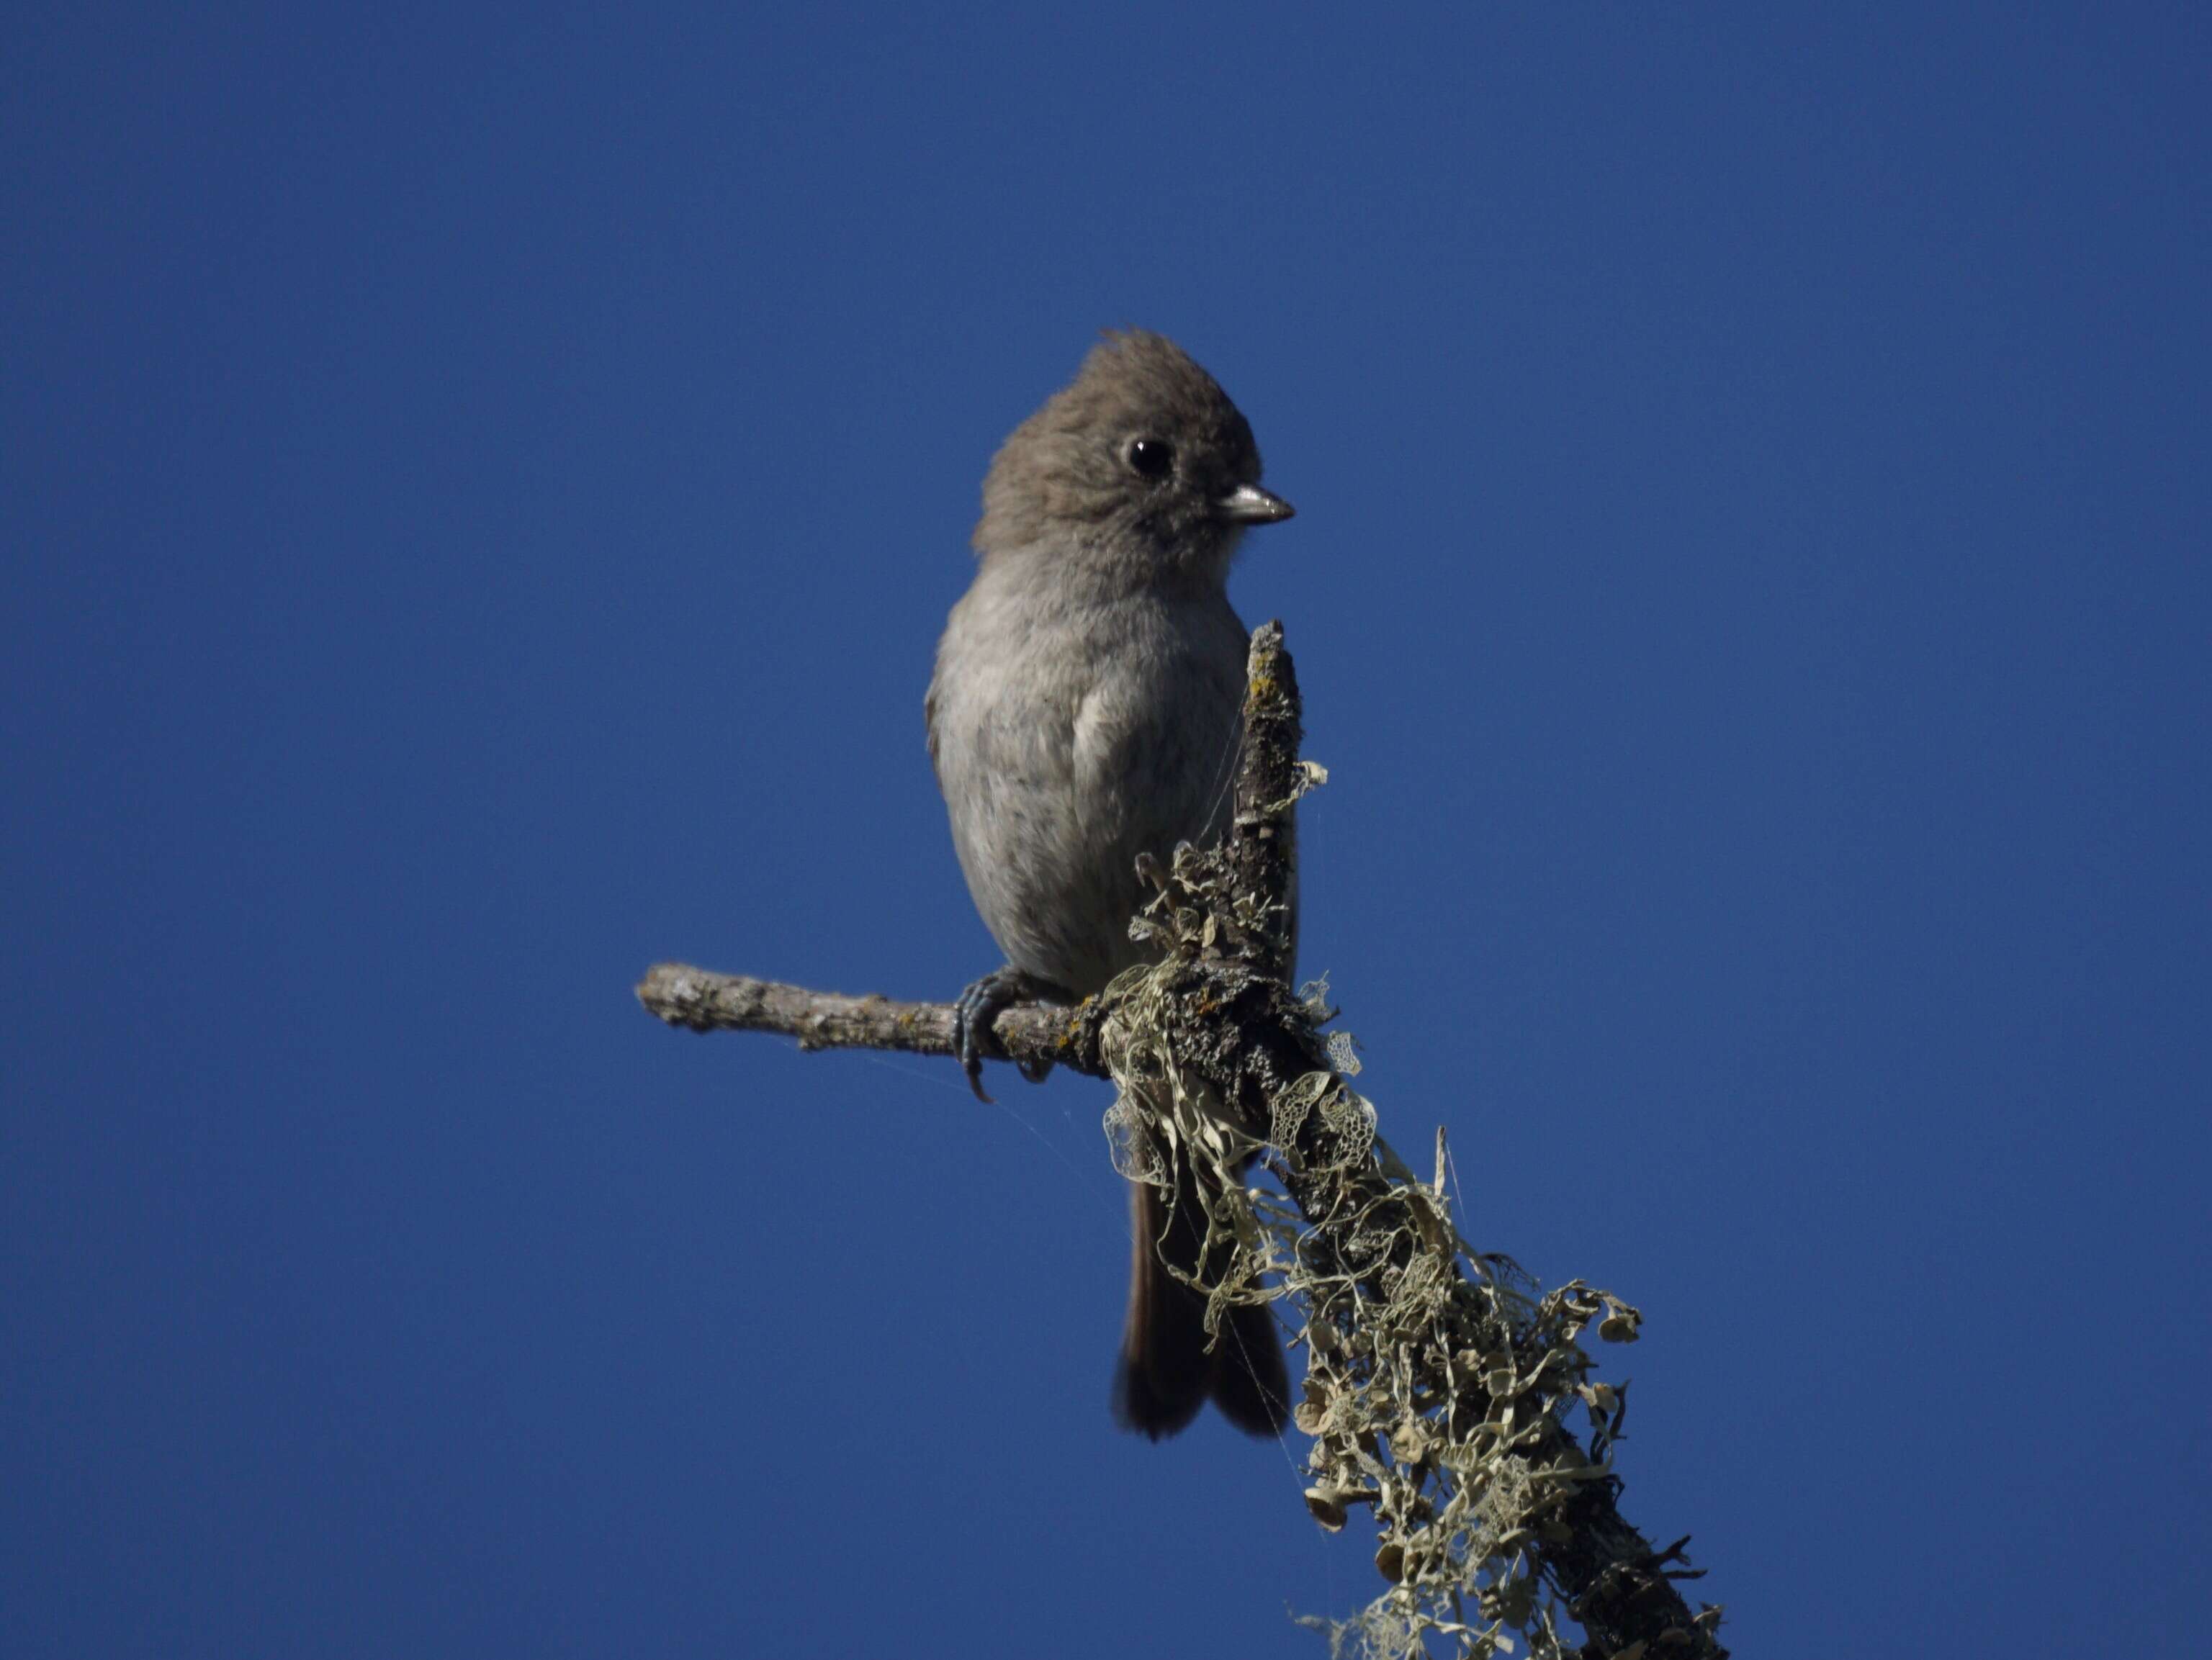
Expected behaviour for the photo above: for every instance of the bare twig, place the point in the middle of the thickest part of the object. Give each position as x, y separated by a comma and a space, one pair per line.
700, 1001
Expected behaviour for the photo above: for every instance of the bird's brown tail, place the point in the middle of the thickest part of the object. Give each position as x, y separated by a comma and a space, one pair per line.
1165, 1373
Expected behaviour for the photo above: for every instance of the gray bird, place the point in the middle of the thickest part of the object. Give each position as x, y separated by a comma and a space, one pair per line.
1087, 708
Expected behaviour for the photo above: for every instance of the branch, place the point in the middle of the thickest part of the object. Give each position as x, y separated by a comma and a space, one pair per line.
699, 1000
1263, 837
1465, 1354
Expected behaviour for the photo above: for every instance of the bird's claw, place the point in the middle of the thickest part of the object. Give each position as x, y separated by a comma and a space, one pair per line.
975, 1014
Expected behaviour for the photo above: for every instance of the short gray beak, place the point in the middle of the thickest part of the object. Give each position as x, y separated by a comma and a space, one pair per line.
1248, 504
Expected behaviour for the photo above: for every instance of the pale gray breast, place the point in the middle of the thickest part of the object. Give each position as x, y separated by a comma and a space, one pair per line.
1069, 739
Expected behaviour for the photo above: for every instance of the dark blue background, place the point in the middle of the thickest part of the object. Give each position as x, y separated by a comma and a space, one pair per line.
480, 495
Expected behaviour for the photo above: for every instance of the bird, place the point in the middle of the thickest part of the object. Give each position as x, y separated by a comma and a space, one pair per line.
1086, 708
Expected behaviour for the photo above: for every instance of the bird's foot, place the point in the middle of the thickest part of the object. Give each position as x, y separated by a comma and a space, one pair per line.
976, 1012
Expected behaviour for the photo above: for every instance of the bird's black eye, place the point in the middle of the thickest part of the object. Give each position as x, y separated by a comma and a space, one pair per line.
1153, 456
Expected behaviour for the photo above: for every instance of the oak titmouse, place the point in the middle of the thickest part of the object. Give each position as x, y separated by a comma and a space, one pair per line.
1086, 708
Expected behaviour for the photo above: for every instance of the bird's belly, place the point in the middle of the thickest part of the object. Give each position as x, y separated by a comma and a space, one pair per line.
1055, 799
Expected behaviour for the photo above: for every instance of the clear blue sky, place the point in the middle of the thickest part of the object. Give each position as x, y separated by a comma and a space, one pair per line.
480, 493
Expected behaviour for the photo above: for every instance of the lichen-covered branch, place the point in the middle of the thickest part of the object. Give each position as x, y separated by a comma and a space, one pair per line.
1441, 1389
1262, 847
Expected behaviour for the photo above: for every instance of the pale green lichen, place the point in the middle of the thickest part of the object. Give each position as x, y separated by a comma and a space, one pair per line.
1437, 1379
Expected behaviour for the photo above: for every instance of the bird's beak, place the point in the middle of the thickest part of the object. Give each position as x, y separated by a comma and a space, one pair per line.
1248, 504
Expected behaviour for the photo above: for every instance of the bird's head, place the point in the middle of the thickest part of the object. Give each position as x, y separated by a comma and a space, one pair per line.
1141, 461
